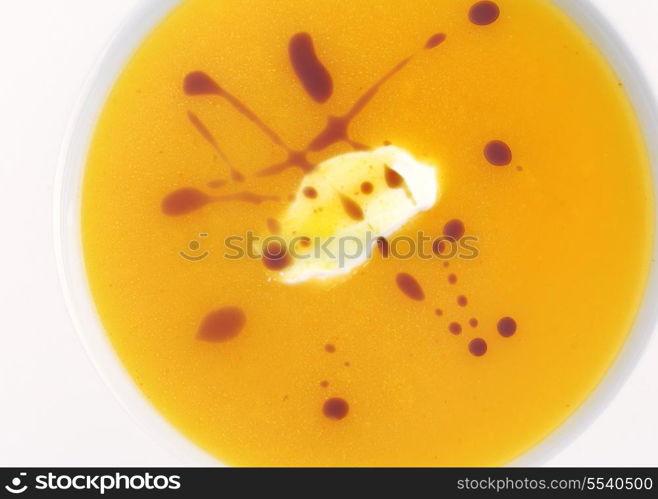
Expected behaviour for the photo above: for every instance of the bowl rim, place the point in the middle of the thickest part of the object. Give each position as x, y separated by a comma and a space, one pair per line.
81, 306
643, 100
130, 34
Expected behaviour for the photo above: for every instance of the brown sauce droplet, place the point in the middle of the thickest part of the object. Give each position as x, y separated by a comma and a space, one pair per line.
507, 327
462, 301
455, 328
335, 408
367, 187
473, 322
410, 287
275, 256
237, 176
352, 208
203, 131
318, 83
314, 76
454, 229
209, 137
335, 130
498, 153
273, 226
484, 13
435, 40
324, 384
329, 348
438, 312
184, 201
384, 248
216, 184
452, 279
310, 192
246, 197
199, 83
439, 247
295, 158
477, 347
222, 325
393, 179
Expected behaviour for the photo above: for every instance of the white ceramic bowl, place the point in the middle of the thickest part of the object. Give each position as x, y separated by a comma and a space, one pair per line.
68, 245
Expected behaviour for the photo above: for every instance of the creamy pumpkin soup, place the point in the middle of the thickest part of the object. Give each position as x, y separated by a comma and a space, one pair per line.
352, 232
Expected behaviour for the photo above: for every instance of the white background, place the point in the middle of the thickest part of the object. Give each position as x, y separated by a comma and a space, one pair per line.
54, 409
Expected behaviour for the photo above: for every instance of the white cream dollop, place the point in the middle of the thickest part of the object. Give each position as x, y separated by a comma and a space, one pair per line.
345, 204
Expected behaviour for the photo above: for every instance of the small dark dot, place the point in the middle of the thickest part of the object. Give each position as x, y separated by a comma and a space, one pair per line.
335, 408
446, 264
478, 347
484, 13
454, 229
473, 322
310, 192
455, 328
347, 364
324, 384
439, 247
410, 286
275, 256
330, 348
438, 311
367, 187
452, 279
435, 40
352, 208
393, 179
507, 327
519, 168
462, 301
222, 325
498, 153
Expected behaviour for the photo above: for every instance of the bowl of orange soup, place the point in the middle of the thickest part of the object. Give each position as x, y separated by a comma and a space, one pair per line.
357, 233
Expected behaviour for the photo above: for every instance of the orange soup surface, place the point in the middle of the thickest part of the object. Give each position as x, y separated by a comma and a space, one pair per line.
495, 129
